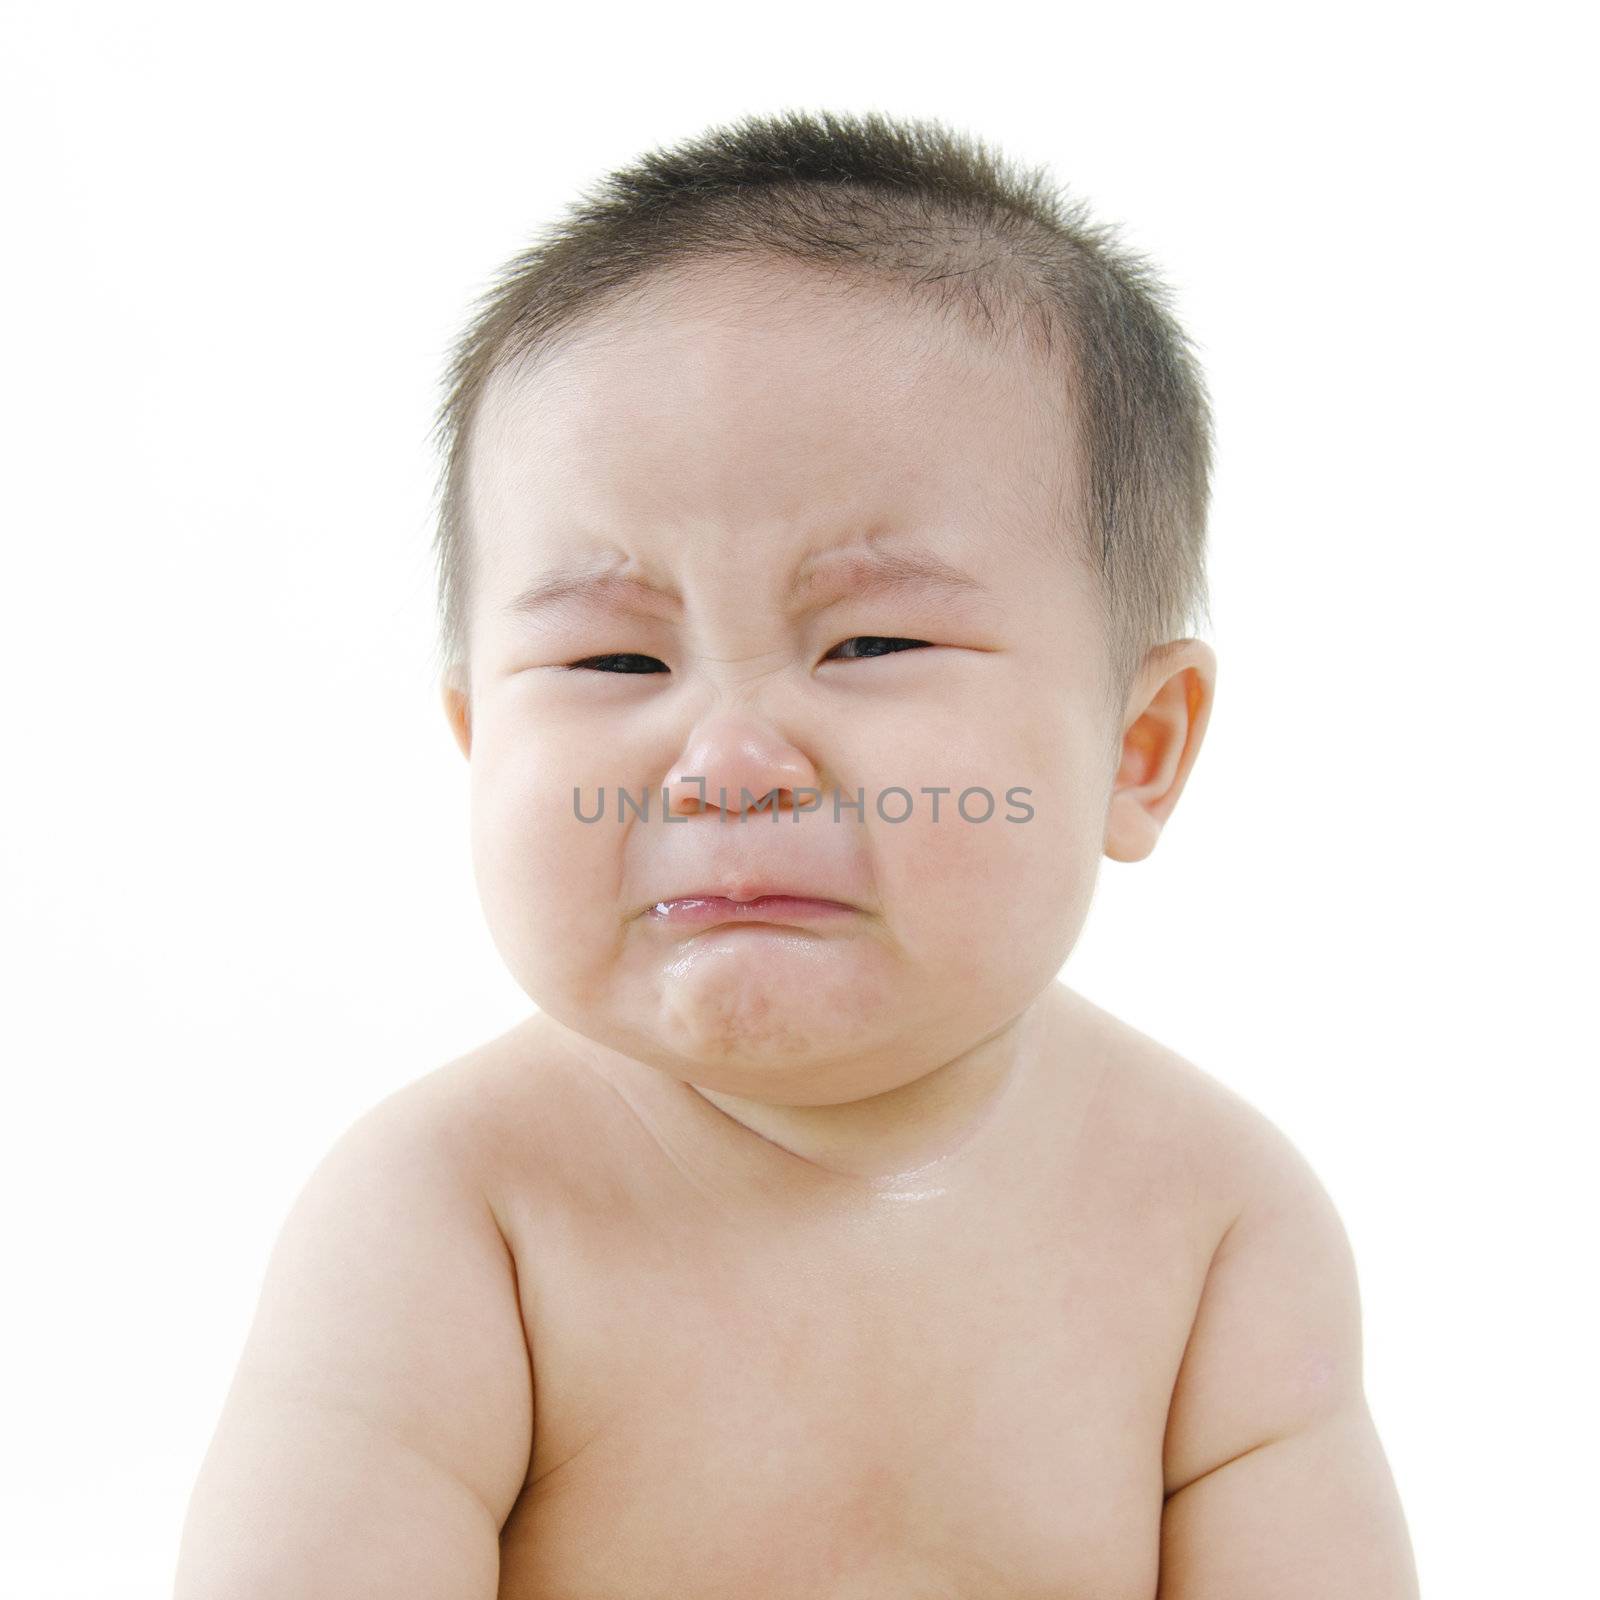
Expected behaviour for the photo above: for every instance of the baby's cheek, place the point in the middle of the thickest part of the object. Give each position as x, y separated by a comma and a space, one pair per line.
1007, 867
547, 880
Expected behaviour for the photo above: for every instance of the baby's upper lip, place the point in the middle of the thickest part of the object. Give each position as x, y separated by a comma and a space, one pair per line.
751, 889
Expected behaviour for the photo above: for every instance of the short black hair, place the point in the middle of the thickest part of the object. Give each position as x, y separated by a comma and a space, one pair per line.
942, 220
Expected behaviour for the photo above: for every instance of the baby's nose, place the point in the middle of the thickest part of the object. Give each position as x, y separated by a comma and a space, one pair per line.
738, 764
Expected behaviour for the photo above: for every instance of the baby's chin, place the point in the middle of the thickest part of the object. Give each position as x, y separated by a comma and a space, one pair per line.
777, 1015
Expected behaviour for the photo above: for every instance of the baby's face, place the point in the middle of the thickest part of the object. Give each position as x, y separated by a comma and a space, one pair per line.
747, 445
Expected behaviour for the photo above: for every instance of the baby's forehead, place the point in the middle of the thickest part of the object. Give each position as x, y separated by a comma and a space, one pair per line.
680, 501
777, 332
863, 415
712, 414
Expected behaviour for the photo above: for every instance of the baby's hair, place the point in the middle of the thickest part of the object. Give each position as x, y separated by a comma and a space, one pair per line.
938, 220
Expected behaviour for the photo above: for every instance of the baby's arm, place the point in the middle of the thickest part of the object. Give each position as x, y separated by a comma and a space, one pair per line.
377, 1432
1276, 1481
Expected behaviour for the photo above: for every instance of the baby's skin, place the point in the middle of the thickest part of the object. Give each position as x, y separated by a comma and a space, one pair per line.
760, 1376
831, 1248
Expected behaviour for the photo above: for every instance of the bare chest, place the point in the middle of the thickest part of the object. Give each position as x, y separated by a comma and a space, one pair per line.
925, 1401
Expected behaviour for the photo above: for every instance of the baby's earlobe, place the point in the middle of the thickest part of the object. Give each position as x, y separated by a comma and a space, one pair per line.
458, 712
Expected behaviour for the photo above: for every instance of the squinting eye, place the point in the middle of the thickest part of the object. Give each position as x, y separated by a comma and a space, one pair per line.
894, 646
590, 663
871, 644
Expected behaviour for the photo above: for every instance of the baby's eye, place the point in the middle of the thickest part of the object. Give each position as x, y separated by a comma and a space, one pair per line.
871, 643
868, 645
602, 664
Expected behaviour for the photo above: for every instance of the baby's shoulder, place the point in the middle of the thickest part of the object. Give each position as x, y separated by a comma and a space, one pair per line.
1274, 1344
517, 1116
1158, 1112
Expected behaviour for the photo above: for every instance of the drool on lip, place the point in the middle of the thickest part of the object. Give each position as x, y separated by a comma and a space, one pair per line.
700, 910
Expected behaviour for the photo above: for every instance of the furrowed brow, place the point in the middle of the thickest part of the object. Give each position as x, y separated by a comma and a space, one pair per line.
589, 585
887, 572
869, 572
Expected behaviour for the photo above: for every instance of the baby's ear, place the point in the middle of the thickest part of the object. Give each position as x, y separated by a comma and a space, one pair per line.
1164, 722
457, 697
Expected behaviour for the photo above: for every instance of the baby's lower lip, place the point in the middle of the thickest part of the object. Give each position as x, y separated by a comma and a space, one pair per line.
699, 911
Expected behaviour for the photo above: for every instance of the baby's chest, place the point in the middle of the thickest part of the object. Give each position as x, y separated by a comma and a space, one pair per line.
942, 1417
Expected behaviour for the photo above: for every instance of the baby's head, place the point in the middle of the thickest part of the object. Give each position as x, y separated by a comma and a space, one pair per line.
823, 511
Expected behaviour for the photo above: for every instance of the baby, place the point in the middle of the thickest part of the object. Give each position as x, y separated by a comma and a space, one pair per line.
823, 516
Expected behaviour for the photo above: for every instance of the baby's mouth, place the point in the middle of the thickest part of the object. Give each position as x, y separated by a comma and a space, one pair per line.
699, 911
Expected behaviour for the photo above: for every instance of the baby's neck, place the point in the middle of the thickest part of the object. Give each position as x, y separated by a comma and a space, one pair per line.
898, 1136
905, 1142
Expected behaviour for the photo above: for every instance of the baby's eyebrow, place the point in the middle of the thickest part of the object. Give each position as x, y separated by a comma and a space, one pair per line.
591, 583
858, 571
881, 571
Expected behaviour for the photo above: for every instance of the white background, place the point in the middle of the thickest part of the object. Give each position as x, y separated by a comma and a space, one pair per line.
238, 905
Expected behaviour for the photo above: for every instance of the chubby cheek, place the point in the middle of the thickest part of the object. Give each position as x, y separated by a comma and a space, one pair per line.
993, 898
549, 884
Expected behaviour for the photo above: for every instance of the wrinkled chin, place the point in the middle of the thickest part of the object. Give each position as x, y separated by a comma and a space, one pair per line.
771, 1014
